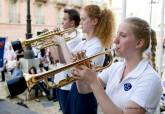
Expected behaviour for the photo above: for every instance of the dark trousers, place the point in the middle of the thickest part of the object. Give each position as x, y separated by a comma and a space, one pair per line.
41, 87
55, 94
62, 97
3, 75
77, 103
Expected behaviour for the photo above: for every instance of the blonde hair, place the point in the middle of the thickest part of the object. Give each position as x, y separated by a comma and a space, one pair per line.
106, 23
153, 47
142, 30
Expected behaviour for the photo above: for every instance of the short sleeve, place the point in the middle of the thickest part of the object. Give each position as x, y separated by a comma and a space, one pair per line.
109, 73
73, 43
104, 75
147, 93
77, 47
99, 60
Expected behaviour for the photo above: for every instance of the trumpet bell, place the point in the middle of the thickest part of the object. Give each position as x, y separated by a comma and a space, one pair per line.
16, 86
17, 46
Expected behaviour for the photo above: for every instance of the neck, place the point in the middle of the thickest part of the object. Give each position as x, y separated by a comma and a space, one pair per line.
131, 63
89, 35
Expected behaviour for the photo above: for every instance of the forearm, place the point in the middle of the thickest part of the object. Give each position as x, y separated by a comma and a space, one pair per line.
65, 52
106, 104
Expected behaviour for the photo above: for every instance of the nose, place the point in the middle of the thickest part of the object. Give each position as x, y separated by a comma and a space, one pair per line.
116, 41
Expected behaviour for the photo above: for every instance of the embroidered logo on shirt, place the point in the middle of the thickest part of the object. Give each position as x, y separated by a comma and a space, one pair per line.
127, 86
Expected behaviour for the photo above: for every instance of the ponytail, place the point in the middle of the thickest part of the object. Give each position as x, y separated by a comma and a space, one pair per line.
153, 47
105, 27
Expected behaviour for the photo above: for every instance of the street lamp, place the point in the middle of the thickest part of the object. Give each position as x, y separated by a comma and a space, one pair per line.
28, 26
28, 53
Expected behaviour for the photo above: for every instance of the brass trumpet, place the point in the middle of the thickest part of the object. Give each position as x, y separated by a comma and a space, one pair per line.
18, 85
45, 39
43, 76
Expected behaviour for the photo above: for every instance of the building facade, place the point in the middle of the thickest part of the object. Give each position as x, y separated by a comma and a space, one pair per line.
45, 14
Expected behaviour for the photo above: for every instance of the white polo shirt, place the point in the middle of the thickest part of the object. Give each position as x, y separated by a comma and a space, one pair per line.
92, 47
70, 44
77, 38
141, 85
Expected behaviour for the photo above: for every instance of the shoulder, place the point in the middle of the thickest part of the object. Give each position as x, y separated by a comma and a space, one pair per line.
94, 44
150, 74
117, 65
97, 41
145, 72
148, 90
149, 78
79, 45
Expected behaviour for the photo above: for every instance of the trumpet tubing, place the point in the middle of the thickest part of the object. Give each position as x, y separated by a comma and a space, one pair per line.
39, 40
44, 76
48, 45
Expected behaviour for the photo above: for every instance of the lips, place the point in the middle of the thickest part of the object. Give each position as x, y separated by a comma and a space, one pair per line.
117, 48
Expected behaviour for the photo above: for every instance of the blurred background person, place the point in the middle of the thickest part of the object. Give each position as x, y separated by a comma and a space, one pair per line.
17, 72
71, 19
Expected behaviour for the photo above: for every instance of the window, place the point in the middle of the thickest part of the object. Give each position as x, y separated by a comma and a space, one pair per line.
13, 12
59, 16
40, 15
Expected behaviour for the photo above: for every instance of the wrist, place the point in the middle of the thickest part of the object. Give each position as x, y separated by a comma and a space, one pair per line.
95, 84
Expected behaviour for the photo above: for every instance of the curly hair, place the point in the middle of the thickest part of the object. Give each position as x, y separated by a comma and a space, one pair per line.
106, 23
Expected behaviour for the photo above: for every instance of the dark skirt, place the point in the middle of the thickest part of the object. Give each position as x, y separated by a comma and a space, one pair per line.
77, 103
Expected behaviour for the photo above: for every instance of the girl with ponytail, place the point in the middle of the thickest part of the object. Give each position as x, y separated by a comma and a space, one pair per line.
98, 27
132, 86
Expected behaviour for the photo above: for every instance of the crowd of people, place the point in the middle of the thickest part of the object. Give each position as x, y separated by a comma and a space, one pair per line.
13, 68
129, 86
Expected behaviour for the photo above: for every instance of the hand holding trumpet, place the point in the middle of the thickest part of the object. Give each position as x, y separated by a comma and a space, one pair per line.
83, 73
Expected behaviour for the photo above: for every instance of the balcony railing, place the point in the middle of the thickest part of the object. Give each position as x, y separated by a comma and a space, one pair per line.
13, 1
42, 1
77, 3
60, 2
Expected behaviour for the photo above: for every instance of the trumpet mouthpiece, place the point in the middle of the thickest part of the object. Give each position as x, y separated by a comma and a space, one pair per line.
113, 48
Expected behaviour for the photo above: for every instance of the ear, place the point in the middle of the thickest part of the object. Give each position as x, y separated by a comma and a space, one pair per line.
72, 23
94, 21
140, 43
